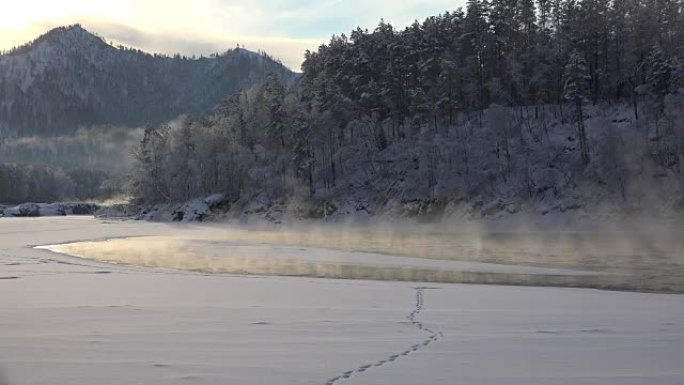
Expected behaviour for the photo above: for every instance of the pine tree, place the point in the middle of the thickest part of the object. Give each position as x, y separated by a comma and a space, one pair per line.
526, 50
475, 38
659, 73
575, 90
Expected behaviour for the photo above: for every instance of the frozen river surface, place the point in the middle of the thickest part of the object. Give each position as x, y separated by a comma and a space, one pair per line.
67, 320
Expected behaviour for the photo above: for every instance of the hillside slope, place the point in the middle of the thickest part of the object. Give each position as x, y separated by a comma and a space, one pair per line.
70, 77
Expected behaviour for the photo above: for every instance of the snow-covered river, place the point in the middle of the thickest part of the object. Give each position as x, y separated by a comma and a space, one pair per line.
69, 320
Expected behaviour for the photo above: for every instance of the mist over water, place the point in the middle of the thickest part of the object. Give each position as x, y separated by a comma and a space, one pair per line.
636, 255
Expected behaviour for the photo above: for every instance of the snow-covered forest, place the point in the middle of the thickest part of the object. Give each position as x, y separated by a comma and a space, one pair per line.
551, 106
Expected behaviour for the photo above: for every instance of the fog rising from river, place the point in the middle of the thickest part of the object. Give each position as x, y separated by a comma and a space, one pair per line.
639, 255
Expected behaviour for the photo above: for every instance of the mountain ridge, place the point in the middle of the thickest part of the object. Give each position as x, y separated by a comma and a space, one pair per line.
69, 78
56, 35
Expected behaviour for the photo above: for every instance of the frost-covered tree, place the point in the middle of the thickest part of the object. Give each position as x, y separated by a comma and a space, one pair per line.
659, 75
575, 89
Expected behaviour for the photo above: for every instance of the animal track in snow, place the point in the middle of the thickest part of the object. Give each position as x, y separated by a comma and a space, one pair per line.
412, 320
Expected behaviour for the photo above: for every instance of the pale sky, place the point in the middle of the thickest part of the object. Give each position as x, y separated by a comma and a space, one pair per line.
283, 28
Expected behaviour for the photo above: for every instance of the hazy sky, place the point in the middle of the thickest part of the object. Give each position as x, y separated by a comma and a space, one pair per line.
284, 28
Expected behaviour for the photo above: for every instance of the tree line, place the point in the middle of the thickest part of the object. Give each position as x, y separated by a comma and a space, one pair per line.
508, 52
32, 183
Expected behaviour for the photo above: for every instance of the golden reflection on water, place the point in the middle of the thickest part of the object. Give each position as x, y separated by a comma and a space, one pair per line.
644, 263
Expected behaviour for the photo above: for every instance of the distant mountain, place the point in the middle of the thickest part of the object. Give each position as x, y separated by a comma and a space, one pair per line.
69, 78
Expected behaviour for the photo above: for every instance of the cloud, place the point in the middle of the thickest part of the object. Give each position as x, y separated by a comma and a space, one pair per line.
283, 28
343, 16
289, 50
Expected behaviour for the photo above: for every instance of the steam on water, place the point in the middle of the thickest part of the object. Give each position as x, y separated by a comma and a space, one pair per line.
644, 256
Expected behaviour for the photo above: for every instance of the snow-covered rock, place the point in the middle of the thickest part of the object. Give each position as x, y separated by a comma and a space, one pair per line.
196, 210
23, 210
49, 209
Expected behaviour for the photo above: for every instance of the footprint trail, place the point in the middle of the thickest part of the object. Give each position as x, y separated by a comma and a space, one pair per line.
433, 336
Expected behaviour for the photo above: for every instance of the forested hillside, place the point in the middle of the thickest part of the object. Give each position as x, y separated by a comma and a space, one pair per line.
71, 106
506, 106
70, 78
